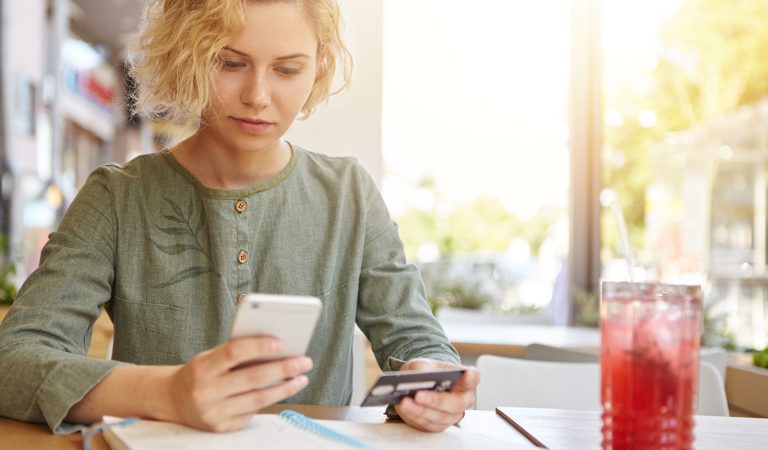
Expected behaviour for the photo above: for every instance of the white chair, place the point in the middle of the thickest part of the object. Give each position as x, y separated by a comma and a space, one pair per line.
711, 395
564, 385
542, 352
717, 356
358, 366
537, 384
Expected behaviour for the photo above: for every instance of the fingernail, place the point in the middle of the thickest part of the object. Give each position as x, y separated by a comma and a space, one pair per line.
302, 364
301, 381
276, 345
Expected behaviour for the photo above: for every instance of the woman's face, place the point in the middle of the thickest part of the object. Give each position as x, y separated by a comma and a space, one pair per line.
266, 75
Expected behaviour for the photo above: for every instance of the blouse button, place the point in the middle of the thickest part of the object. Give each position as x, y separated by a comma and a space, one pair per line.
240, 206
242, 257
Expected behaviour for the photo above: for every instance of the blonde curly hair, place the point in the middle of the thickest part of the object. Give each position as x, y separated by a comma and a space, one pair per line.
175, 58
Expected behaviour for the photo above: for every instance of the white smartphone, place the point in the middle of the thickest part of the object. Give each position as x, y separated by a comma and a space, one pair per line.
290, 318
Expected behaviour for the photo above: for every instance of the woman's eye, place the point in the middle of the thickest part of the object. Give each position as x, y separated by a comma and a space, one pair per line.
230, 64
288, 70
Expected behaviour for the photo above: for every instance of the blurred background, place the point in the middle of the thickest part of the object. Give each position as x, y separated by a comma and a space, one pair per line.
511, 141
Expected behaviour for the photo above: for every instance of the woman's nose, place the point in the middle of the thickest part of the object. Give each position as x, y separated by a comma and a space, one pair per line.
256, 92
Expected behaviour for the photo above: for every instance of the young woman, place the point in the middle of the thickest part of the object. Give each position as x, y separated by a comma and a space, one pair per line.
167, 242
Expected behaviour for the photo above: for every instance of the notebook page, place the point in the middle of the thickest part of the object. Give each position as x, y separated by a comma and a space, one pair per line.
268, 431
398, 436
264, 431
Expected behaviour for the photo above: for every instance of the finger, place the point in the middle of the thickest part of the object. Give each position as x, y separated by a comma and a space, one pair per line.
443, 408
262, 375
410, 413
254, 401
238, 351
468, 381
452, 403
423, 418
467, 386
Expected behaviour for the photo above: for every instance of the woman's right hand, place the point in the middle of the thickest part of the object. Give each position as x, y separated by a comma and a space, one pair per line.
210, 392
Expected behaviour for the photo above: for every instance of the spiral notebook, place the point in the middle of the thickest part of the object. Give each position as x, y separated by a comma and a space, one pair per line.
290, 430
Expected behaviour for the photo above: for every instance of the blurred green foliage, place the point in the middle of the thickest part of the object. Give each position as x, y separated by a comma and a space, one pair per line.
760, 358
714, 329
586, 308
482, 226
7, 272
711, 63
459, 294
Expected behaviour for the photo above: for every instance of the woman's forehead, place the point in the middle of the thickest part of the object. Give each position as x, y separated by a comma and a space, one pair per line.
275, 28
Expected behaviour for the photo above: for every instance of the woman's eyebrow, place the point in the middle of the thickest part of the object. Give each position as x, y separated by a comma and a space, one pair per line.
236, 51
279, 58
294, 55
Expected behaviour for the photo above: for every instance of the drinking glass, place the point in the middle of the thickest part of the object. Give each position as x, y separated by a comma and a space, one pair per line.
649, 356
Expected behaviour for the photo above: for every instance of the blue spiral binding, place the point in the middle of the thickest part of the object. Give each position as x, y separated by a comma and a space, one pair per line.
101, 426
305, 423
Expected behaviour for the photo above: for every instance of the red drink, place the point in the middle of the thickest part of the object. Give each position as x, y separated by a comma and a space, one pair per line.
649, 355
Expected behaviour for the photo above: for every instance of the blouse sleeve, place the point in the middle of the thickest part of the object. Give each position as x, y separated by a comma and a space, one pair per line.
392, 307
45, 336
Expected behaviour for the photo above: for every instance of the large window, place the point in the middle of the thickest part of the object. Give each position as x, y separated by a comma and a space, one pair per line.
686, 139
475, 146
475, 143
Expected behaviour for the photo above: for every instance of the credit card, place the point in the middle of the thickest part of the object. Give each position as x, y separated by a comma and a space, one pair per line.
392, 386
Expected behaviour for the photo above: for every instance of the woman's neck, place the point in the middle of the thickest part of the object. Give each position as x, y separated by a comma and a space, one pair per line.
218, 167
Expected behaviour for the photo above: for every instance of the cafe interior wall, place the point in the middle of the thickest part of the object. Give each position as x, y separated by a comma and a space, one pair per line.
23, 74
63, 117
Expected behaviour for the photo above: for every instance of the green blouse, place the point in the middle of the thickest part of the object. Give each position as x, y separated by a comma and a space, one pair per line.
168, 257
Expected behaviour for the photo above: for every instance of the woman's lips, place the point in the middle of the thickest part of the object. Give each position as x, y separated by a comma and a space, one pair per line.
252, 126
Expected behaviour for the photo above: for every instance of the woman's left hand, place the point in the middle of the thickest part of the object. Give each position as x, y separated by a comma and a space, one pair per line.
436, 411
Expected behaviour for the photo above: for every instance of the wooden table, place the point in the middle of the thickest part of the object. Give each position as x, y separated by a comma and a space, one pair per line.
561, 429
555, 429
24, 436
